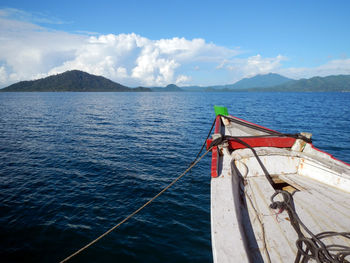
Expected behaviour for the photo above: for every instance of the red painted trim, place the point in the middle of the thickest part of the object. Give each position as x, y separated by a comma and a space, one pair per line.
313, 147
217, 124
279, 142
215, 153
214, 162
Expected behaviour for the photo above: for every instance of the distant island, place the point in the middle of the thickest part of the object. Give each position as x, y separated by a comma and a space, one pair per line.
79, 81
339, 83
276, 83
73, 80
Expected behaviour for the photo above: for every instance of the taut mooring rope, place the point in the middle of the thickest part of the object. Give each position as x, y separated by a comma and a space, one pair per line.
139, 209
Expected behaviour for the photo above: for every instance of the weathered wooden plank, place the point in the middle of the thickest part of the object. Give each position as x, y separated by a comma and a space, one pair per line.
329, 206
226, 237
270, 228
245, 228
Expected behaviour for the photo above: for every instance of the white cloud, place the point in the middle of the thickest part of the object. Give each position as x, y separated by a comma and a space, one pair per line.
333, 67
3, 75
181, 79
251, 66
222, 64
144, 61
29, 51
258, 65
129, 58
121, 72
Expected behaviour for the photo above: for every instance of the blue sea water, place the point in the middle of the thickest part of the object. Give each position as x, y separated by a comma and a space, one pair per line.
72, 165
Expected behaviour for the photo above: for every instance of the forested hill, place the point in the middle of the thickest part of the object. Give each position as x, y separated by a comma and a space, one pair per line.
267, 80
339, 83
79, 81
73, 80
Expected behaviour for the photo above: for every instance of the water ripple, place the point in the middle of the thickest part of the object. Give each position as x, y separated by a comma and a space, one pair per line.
74, 164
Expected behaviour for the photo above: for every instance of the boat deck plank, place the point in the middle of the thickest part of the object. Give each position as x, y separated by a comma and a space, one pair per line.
316, 210
225, 229
246, 229
269, 228
322, 206
322, 191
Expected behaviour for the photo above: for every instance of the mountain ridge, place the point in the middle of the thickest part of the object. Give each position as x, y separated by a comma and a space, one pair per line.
168, 88
265, 80
79, 81
333, 83
72, 80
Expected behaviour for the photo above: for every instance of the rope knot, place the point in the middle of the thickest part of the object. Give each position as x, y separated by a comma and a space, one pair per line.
217, 140
278, 204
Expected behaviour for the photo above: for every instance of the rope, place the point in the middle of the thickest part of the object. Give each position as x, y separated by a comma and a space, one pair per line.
311, 248
205, 141
266, 173
262, 129
249, 125
196, 160
308, 248
258, 217
138, 210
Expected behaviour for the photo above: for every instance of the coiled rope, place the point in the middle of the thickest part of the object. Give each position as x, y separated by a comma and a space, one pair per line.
196, 160
309, 248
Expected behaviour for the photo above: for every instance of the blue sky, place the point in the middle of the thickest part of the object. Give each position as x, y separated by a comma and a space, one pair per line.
153, 43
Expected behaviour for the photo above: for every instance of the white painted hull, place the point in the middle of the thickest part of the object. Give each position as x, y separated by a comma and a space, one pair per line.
243, 226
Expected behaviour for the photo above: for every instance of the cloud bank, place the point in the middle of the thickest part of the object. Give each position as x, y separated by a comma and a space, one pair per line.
29, 51
130, 58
